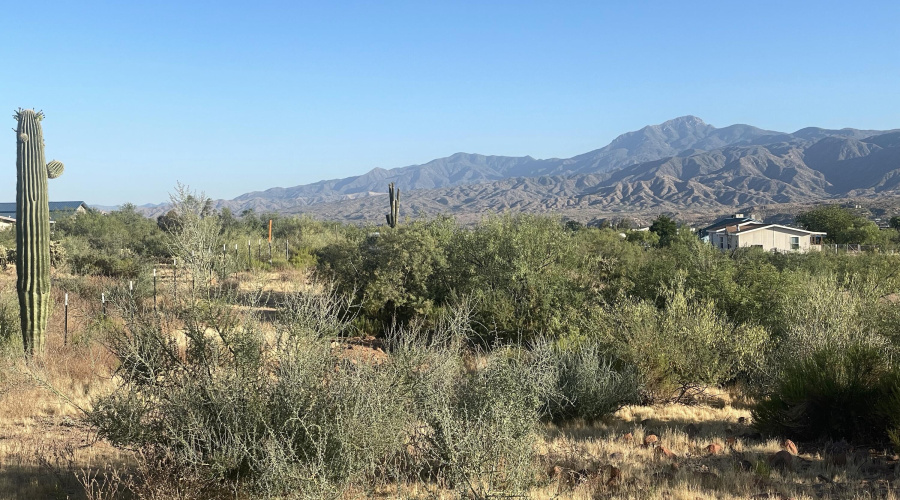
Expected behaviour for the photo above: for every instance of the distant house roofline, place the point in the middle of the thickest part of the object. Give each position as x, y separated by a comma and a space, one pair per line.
730, 220
9, 209
769, 226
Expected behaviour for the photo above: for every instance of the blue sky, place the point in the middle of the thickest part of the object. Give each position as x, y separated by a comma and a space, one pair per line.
231, 97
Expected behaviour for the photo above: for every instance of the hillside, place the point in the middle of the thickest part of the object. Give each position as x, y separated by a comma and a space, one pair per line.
682, 164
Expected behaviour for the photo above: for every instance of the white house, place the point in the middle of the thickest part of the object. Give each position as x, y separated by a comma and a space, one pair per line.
769, 237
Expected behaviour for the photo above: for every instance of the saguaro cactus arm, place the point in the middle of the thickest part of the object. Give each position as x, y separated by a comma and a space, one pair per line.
55, 169
32, 228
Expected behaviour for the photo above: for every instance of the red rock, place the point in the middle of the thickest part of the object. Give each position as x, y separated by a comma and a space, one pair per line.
650, 439
789, 445
730, 440
714, 449
662, 451
627, 437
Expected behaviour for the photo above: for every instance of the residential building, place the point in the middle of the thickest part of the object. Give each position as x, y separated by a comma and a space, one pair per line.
769, 237
57, 209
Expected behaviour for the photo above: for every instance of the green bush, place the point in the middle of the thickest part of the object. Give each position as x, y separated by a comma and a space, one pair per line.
850, 392
590, 385
10, 328
685, 345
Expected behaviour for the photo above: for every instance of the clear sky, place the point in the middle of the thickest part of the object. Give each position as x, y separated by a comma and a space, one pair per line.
230, 97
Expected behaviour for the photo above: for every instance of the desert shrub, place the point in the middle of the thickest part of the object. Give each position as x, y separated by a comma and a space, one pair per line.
850, 392
233, 407
395, 274
525, 274
290, 413
590, 384
10, 328
687, 344
479, 424
827, 312
101, 265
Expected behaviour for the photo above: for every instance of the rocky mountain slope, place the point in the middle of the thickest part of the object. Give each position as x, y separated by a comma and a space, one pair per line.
681, 164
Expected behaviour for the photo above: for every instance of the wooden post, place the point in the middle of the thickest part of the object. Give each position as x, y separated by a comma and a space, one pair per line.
175, 280
154, 290
66, 321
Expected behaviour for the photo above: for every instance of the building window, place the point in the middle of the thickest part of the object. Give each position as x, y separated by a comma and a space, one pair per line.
795, 243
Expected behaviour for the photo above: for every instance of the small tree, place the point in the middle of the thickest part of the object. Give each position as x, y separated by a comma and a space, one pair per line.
842, 225
666, 228
895, 222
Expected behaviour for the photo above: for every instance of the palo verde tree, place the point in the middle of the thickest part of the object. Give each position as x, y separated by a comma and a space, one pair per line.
33, 228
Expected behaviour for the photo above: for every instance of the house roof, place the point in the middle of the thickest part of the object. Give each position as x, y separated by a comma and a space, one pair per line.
9, 209
728, 221
749, 228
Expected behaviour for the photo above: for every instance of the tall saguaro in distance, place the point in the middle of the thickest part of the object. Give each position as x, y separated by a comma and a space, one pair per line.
33, 228
394, 216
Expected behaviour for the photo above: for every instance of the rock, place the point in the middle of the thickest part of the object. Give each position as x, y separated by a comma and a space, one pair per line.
789, 445
662, 451
783, 460
730, 440
651, 439
628, 437
714, 449
691, 430
616, 456
745, 465
742, 420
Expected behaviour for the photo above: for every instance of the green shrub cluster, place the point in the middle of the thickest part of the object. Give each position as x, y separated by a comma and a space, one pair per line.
850, 392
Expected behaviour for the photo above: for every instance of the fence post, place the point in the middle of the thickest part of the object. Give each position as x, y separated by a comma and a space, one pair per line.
175, 280
66, 321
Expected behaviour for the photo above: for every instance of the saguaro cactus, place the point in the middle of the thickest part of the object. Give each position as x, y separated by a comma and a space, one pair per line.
394, 216
33, 228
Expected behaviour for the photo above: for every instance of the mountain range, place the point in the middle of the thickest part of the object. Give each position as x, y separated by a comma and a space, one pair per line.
680, 165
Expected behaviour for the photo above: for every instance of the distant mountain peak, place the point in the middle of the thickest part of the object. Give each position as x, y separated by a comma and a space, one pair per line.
683, 120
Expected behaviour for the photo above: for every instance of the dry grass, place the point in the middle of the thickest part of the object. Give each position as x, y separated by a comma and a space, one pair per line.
44, 447
602, 461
